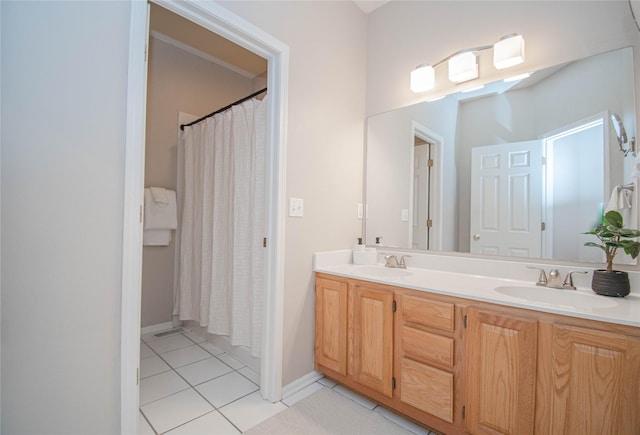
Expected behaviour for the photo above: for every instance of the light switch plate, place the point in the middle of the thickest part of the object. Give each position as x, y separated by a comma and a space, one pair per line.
404, 215
296, 207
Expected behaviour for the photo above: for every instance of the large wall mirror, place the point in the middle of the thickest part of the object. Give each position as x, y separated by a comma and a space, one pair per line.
516, 169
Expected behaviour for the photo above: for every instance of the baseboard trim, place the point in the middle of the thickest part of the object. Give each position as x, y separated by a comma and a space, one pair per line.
157, 328
301, 383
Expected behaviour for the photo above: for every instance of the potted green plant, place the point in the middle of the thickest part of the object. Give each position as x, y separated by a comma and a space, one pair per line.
613, 236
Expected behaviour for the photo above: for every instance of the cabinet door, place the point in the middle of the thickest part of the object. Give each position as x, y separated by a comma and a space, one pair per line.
331, 325
373, 339
501, 373
596, 386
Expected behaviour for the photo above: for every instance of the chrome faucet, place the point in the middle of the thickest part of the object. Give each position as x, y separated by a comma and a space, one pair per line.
554, 280
392, 261
542, 278
568, 280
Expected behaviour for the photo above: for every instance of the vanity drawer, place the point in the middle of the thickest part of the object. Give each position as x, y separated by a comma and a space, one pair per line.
429, 313
426, 347
427, 388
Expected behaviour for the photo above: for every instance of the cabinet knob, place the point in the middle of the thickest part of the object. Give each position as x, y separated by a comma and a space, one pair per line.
476, 237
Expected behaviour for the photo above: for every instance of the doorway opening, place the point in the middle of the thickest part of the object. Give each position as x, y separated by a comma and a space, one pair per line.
190, 70
216, 19
425, 202
575, 179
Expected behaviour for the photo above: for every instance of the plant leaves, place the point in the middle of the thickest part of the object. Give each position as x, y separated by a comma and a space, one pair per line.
630, 247
613, 218
595, 245
613, 235
629, 233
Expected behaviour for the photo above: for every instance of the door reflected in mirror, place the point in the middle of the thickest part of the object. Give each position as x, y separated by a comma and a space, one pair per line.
517, 169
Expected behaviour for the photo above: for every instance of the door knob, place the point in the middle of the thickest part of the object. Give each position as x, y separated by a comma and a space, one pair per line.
476, 237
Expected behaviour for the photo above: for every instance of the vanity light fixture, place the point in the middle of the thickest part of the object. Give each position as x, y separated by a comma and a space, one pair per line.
423, 78
509, 51
463, 64
463, 67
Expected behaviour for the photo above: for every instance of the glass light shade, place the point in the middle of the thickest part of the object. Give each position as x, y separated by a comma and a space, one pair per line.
422, 78
508, 52
463, 67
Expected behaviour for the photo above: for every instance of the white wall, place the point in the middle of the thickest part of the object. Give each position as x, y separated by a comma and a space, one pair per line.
64, 77
324, 146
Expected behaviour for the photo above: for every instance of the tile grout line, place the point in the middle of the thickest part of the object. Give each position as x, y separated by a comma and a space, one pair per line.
192, 387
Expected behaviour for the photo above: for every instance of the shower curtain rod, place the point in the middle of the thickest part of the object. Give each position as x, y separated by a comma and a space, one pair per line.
241, 100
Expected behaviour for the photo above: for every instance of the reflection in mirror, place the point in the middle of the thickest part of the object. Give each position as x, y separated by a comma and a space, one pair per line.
621, 135
515, 169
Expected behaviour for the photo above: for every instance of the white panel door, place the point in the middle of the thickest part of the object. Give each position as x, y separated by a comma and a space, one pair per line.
506, 199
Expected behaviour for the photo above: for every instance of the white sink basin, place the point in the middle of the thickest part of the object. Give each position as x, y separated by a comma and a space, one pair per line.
552, 296
381, 271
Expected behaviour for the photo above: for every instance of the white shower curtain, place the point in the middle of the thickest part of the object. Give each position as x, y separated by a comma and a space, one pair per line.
222, 223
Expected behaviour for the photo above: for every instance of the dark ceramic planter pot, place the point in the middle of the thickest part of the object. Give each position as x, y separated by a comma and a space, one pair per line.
615, 283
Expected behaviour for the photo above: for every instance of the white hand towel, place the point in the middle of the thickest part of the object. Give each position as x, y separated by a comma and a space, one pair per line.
622, 201
159, 216
160, 195
613, 200
156, 237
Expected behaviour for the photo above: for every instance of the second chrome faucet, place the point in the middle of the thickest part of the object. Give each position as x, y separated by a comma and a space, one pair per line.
554, 280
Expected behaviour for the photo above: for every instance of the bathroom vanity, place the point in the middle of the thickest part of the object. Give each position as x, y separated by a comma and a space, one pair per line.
464, 353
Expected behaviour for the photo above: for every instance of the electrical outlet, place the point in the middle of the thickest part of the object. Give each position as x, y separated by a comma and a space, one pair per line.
360, 210
404, 215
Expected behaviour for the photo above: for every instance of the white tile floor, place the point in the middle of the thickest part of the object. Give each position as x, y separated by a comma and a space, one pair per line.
189, 386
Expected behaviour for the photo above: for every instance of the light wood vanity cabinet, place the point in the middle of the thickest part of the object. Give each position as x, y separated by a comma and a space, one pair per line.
398, 347
501, 355
354, 333
462, 366
595, 382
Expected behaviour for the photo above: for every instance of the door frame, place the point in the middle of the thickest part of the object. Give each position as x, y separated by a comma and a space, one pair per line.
219, 20
436, 185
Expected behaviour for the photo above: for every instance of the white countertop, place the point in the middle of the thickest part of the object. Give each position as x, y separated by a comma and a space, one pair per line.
582, 303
